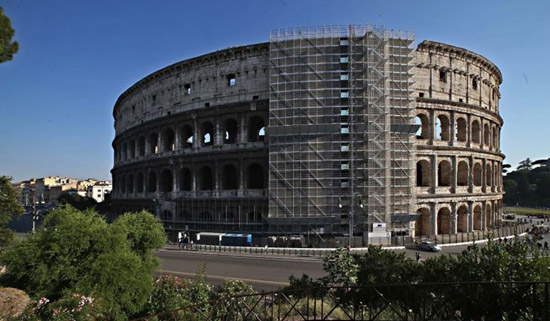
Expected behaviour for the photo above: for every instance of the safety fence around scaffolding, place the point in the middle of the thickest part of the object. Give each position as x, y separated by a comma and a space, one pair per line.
520, 301
395, 243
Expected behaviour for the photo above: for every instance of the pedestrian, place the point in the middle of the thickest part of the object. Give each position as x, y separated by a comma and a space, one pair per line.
417, 257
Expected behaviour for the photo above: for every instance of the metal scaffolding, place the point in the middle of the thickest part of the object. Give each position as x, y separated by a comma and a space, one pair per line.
340, 122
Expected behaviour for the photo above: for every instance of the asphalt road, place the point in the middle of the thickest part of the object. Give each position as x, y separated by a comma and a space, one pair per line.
262, 272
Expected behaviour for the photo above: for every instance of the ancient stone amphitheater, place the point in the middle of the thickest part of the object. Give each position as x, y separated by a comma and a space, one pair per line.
326, 131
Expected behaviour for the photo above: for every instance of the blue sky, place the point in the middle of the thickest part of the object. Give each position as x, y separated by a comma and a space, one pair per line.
76, 57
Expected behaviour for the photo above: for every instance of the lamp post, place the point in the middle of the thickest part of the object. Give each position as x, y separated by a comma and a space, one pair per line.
350, 219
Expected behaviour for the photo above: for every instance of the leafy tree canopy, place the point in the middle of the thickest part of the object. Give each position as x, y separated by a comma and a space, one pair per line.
10, 207
8, 47
78, 252
77, 201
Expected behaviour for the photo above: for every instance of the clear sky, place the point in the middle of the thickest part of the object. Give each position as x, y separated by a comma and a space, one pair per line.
76, 57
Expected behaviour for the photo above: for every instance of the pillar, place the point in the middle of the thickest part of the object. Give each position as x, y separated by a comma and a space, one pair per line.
433, 214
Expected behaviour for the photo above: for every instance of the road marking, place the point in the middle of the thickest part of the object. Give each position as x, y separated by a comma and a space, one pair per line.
225, 278
249, 256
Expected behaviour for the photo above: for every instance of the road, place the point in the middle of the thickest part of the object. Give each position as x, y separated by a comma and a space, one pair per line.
262, 272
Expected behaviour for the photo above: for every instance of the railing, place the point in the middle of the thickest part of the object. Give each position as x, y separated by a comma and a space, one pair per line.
519, 301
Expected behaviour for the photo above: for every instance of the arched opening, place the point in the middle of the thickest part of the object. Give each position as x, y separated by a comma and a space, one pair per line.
231, 130
141, 146
461, 129
230, 177
152, 183
477, 217
255, 175
187, 136
132, 149
477, 174
139, 183
205, 179
130, 184
442, 129
168, 140
153, 143
423, 177
207, 134
124, 151
166, 181
462, 219
423, 131
488, 216
462, 175
256, 129
443, 221
488, 175
486, 135
444, 173
123, 184
166, 215
476, 132
186, 180
422, 225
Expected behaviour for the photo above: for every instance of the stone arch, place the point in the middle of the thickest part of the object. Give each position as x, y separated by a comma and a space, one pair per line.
423, 131
187, 136
422, 225
123, 184
477, 174
207, 134
488, 175
230, 177
166, 181
124, 151
476, 132
152, 182
168, 140
256, 129
444, 173
132, 148
461, 129
486, 135
462, 173
139, 183
462, 219
186, 180
130, 184
153, 143
443, 220
423, 173
496, 174
476, 218
231, 130
255, 176
442, 128
141, 146
206, 179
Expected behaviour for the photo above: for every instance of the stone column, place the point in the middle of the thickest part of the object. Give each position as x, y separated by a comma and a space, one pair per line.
243, 137
452, 121
434, 181
453, 219
470, 222
177, 139
241, 177
174, 170
454, 173
431, 121
196, 133
433, 213
218, 132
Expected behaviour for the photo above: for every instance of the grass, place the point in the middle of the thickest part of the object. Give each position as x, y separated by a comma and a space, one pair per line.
526, 211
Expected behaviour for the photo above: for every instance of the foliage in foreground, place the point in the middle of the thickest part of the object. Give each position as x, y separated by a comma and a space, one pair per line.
383, 280
10, 206
77, 252
8, 47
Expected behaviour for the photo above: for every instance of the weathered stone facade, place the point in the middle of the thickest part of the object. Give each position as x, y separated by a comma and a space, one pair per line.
190, 142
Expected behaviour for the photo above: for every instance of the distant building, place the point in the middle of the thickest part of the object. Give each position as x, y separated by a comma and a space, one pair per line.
99, 190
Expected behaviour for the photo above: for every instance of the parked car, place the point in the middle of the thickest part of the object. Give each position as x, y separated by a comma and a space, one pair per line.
428, 246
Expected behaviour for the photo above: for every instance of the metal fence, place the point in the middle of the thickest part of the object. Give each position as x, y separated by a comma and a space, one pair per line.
406, 241
487, 301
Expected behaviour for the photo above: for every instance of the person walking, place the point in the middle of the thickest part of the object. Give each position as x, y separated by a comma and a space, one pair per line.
417, 257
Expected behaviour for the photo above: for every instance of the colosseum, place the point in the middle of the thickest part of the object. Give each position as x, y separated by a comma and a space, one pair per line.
332, 131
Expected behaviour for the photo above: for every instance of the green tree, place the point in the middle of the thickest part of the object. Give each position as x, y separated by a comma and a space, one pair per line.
10, 208
8, 47
79, 202
78, 252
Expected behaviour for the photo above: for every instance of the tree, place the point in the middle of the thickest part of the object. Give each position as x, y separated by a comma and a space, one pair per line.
78, 252
79, 202
8, 48
10, 208
525, 164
